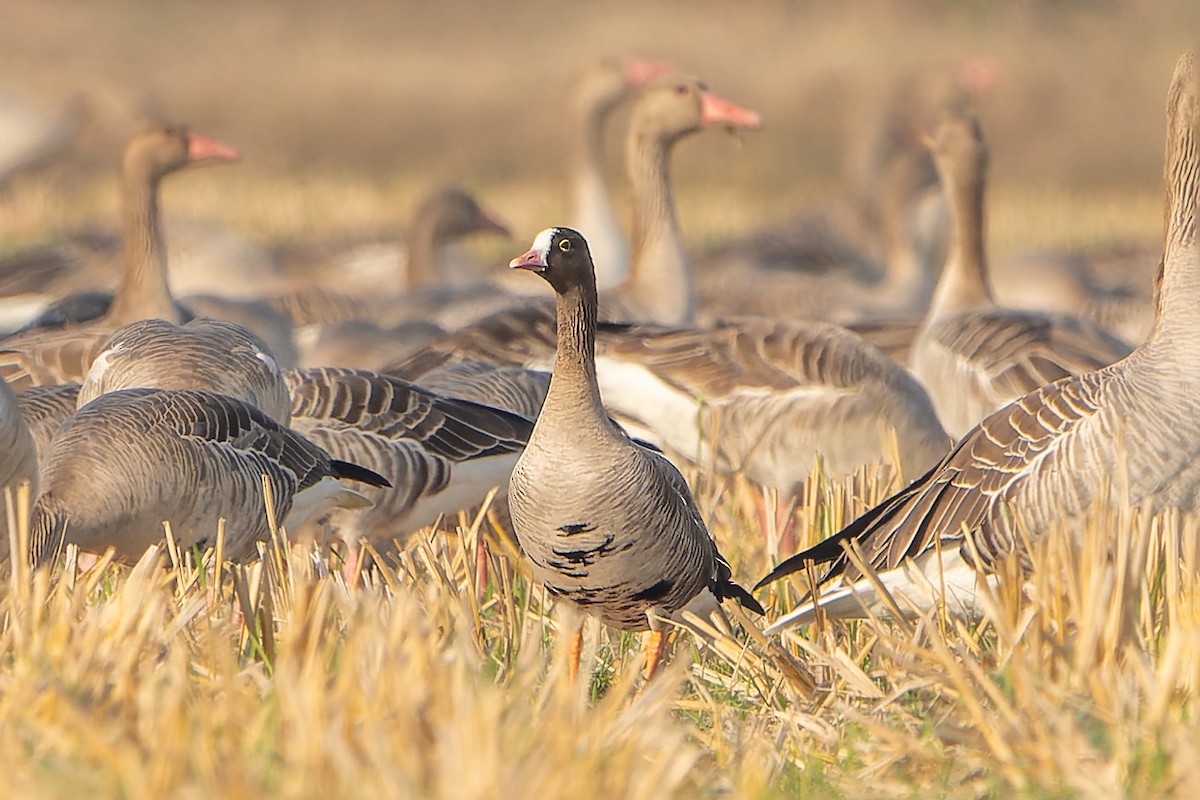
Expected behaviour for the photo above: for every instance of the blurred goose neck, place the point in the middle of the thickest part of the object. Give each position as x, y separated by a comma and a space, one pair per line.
145, 291
1177, 300
964, 283
592, 208
910, 272
422, 270
659, 279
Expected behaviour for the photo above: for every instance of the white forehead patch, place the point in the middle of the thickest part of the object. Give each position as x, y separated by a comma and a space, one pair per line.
542, 241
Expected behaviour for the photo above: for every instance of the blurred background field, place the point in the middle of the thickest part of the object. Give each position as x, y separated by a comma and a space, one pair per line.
280, 682
345, 112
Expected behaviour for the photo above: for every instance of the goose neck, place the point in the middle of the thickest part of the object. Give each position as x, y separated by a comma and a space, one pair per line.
659, 280
964, 283
573, 386
145, 291
422, 270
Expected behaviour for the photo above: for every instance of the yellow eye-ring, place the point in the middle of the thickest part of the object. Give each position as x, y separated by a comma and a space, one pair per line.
565, 245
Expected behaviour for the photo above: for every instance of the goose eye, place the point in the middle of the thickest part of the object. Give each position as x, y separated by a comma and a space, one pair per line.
683, 88
565, 245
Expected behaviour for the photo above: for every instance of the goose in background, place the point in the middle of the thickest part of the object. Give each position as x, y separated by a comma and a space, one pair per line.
972, 355
862, 286
344, 330
1048, 456
595, 93
439, 455
18, 457
659, 286
32, 135
1111, 284
206, 354
131, 459
36, 357
610, 526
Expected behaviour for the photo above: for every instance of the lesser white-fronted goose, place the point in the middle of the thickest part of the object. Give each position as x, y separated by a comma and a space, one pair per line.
61, 356
595, 93
440, 455
1052, 453
610, 526
202, 354
972, 355
128, 460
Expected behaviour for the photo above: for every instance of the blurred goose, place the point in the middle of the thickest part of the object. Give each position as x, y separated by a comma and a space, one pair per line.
610, 526
659, 285
203, 354
132, 459
439, 454
351, 332
595, 92
44, 409
1053, 452
18, 456
838, 279
60, 356
972, 355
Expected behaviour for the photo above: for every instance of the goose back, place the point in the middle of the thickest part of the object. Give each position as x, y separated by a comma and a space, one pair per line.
439, 454
203, 354
133, 458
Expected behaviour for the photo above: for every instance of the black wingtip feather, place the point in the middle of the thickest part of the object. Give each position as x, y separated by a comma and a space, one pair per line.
353, 472
729, 589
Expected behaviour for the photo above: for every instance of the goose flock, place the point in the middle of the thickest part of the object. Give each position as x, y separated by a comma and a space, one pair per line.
357, 416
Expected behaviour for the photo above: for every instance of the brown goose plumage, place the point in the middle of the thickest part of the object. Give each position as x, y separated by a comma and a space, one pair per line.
595, 93
972, 355
439, 454
609, 525
202, 354
37, 357
131, 459
1050, 454
45, 408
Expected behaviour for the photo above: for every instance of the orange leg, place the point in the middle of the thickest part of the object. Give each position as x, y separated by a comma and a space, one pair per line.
574, 651
654, 645
353, 564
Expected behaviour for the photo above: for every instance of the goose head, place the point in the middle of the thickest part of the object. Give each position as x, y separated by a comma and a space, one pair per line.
156, 152
673, 106
453, 213
600, 87
561, 257
958, 147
